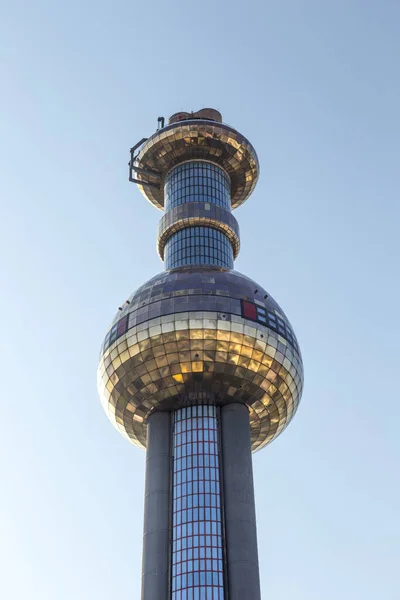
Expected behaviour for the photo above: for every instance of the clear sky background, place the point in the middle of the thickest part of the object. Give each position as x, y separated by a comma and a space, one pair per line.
314, 85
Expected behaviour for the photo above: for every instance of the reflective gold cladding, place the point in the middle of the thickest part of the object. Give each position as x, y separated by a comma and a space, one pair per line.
194, 140
172, 361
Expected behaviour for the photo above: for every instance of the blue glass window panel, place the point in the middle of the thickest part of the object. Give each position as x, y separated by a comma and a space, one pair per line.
197, 181
198, 245
197, 571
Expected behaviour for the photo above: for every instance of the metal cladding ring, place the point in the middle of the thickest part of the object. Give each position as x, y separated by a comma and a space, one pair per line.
200, 336
199, 139
194, 214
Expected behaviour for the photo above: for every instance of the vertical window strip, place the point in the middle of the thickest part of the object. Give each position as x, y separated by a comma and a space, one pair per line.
197, 562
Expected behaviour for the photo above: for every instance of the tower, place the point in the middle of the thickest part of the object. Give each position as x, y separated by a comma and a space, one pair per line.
200, 366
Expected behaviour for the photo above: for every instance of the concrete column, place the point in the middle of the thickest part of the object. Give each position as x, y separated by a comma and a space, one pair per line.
240, 515
156, 540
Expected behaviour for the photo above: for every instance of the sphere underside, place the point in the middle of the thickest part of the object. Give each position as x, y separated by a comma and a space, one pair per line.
200, 335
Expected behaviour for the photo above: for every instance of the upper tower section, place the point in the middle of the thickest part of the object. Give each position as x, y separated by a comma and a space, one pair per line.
200, 332
196, 136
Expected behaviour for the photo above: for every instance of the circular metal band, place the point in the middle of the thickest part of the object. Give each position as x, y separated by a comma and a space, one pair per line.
199, 139
194, 214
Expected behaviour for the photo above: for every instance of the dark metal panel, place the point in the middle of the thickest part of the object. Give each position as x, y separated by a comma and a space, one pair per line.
239, 505
156, 539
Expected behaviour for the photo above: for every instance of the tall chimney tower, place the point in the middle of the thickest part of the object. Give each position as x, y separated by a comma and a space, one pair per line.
200, 366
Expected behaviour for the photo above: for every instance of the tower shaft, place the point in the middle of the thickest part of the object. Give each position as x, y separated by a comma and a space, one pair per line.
200, 538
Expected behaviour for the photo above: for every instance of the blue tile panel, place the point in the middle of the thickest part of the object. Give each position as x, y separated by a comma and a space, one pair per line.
197, 181
197, 549
198, 246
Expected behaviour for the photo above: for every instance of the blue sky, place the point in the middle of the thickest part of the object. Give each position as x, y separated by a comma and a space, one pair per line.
314, 85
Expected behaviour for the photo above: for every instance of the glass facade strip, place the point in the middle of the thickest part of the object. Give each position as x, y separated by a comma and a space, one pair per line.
197, 560
197, 181
198, 246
